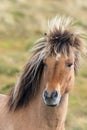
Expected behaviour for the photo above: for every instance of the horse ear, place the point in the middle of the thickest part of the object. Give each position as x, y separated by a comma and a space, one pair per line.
27, 87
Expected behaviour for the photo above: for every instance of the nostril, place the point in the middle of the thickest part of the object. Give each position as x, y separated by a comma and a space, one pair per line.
45, 94
54, 94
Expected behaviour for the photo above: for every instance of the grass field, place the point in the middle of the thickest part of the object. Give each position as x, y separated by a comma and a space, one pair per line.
21, 23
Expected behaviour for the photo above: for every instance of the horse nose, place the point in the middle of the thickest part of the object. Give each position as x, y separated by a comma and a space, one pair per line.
46, 95
52, 95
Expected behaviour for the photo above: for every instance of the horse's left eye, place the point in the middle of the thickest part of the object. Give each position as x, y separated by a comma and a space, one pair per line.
69, 65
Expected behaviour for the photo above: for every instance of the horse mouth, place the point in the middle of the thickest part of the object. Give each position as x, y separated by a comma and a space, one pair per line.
52, 105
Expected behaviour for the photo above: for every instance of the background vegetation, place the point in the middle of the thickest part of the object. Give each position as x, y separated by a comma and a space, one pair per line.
21, 23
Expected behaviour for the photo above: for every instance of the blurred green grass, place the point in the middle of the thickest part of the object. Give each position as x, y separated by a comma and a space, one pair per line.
22, 23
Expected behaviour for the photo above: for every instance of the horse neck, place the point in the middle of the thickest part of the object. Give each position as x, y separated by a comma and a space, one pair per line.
44, 117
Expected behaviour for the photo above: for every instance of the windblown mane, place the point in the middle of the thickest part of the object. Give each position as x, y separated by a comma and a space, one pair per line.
59, 39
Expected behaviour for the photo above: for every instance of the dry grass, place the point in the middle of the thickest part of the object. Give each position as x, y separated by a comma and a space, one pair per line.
21, 23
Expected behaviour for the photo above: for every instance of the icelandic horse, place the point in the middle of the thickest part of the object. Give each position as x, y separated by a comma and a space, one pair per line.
39, 100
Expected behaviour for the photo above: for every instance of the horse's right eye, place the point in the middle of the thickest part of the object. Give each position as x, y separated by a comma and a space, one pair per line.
44, 61
45, 65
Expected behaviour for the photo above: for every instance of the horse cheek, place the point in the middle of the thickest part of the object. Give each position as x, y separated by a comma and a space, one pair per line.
70, 85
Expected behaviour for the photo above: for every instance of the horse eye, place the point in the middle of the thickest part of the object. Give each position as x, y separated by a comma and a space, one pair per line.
69, 65
45, 65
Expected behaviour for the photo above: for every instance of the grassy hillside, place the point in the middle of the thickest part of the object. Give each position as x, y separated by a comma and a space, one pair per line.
21, 23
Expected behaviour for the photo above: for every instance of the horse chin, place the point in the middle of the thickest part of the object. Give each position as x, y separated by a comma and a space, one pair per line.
52, 105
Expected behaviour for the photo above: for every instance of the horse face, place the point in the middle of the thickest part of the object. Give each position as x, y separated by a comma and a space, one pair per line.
59, 78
